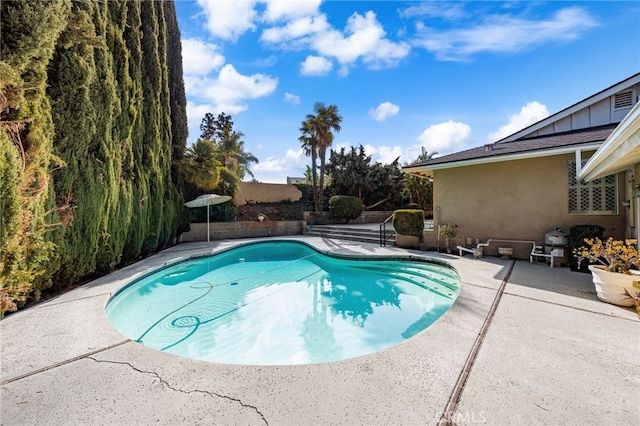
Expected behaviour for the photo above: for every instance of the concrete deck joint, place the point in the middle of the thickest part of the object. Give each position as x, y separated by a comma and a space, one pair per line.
452, 405
565, 305
61, 363
187, 392
53, 304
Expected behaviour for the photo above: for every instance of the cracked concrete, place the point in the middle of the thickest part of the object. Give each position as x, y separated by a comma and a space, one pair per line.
168, 385
552, 354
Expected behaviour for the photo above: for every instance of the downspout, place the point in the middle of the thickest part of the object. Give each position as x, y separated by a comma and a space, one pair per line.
437, 225
578, 161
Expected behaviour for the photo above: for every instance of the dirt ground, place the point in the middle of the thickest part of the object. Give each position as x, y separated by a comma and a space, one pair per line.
249, 212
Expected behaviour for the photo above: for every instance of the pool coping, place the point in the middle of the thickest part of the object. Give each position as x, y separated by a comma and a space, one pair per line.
63, 362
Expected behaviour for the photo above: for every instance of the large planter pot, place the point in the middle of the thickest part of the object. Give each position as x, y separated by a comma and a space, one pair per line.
407, 241
611, 286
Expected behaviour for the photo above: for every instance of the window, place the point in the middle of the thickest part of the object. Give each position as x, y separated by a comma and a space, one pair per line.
600, 196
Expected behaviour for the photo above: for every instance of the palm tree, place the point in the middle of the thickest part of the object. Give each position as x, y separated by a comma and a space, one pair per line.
310, 148
200, 165
318, 135
426, 155
230, 148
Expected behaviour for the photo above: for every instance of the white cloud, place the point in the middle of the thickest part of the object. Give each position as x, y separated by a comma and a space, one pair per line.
383, 154
200, 57
270, 165
505, 33
445, 138
531, 113
287, 9
227, 92
384, 111
315, 65
297, 32
363, 39
432, 9
276, 169
231, 87
229, 19
291, 98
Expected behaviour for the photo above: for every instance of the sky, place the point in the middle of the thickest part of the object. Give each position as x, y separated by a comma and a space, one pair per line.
405, 75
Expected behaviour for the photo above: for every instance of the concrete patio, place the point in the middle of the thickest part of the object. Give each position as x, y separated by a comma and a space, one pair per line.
523, 345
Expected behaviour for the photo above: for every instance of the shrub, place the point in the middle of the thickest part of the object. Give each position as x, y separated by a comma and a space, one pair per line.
345, 207
290, 211
449, 230
577, 235
409, 222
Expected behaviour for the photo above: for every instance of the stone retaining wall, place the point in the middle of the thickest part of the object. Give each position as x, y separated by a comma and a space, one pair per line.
244, 229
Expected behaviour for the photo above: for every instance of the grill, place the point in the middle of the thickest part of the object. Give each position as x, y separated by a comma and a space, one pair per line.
556, 242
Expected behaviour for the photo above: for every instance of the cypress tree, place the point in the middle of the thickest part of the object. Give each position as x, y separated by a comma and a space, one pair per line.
132, 37
179, 128
29, 33
100, 189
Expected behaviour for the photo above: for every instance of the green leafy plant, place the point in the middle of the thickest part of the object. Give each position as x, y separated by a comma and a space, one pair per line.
577, 234
448, 230
290, 211
345, 207
615, 255
409, 222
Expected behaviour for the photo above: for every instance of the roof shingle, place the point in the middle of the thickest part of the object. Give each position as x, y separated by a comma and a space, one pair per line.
540, 143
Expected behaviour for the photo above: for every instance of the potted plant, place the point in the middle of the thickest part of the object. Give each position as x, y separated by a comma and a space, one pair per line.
448, 231
616, 277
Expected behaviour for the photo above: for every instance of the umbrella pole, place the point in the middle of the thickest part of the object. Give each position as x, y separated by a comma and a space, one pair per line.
208, 224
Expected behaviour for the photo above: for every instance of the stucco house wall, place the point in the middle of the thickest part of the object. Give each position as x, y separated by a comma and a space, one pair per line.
518, 187
522, 199
252, 192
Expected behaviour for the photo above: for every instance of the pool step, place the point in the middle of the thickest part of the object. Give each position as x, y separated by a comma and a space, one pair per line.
369, 234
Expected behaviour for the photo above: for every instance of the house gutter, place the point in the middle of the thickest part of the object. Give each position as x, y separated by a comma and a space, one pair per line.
429, 169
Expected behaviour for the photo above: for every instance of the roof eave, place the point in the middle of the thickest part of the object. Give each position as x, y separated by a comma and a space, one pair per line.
634, 79
619, 152
427, 170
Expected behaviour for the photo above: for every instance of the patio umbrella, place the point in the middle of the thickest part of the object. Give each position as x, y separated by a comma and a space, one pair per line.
207, 200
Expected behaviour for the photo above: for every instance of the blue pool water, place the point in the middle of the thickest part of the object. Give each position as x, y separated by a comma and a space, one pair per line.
283, 303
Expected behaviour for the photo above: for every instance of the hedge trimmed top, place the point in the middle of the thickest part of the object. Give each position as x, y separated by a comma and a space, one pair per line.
409, 222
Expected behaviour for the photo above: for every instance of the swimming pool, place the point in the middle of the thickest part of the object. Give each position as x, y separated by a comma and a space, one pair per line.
282, 303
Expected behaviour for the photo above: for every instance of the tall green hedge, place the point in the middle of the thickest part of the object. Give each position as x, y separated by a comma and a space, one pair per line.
29, 33
98, 87
409, 222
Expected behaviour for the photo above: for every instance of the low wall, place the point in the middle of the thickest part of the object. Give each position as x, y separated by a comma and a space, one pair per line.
244, 229
365, 217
